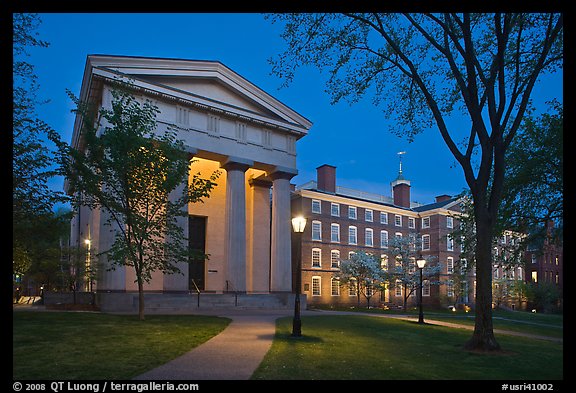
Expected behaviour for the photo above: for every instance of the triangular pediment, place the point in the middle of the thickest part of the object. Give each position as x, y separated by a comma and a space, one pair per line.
211, 89
208, 83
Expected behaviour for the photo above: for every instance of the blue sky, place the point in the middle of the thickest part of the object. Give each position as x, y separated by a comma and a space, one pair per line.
355, 138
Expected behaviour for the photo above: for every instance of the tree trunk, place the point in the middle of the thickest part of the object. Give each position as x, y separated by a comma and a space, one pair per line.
141, 300
483, 337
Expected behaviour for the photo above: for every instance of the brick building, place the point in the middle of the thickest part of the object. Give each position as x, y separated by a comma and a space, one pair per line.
342, 221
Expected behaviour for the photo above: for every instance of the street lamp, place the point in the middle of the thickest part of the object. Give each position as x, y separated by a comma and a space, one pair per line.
421, 262
298, 225
88, 242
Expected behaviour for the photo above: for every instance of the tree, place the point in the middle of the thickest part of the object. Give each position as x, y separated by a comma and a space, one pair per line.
533, 192
426, 67
362, 271
32, 199
136, 177
405, 272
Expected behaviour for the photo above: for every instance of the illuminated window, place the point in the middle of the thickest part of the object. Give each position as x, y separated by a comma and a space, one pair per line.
316, 286
316, 257
335, 286
335, 259
534, 276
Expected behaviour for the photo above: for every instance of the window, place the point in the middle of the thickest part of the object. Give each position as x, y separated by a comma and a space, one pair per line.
411, 222
335, 209
384, 262
369, 237
316, 257
398, 235
398, 288
533, 258
412, 241
426, 222
450, 265
316, 230
383, 239
316, 206
449, 222
368, 215
450, 288
335, 286
449, 243
316, 281
425, 242
335, 259
352, 287
463, 266
352, 212
352, 235
335, 233
397, 220
412, 265
426, 288
383, 218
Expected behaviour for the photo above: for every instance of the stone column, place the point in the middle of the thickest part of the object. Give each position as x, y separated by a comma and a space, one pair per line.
258, 236
235, 246
281, 253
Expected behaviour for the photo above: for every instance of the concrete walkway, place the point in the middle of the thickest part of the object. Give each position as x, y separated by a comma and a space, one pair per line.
239, 349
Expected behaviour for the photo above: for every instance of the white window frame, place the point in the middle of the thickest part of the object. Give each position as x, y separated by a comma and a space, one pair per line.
383, 239
316, 284
368, 215
335, 259
449, 265
449, 243
369, 237
352, 287
316, 254
350, 210
352, 229
411, 222
335, 233
425, 243
319, 231
425, 222
426, 287
335, 286
384, 262
449, 222
319, 204
383, 218
397, 220
335, 209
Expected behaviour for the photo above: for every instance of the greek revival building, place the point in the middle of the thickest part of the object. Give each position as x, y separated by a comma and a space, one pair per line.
227, 124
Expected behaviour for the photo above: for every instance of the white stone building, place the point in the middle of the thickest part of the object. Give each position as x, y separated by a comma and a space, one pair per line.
226, 123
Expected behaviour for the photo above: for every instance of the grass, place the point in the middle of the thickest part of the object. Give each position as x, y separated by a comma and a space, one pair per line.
519, 321
79, 345
367, 348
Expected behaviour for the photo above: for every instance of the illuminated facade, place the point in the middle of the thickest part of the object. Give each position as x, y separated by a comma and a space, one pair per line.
227, 124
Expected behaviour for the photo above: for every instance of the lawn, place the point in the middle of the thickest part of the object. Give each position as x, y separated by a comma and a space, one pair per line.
81, 345
368, 348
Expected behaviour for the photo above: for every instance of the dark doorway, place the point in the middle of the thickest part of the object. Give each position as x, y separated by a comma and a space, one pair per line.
196, 242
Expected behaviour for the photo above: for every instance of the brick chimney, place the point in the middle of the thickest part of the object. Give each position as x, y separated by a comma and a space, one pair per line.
442, 198
401, 192
326, 178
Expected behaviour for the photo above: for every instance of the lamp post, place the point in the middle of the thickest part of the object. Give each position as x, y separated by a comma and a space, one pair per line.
88, 242
421, 262
298, 225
